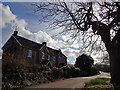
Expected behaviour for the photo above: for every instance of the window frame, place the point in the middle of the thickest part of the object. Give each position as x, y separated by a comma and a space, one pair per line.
48, 57
29, 54
54, 58
43, 55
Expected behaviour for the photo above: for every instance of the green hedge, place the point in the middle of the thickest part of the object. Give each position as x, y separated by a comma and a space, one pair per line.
70, 71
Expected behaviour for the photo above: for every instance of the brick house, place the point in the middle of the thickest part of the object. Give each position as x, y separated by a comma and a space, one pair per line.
24, 49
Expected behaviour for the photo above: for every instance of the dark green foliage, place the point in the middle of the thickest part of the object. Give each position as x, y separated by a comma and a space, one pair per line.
70, 71
57, 73
45, 68
102, 67
17, 74
89, 72
84, 62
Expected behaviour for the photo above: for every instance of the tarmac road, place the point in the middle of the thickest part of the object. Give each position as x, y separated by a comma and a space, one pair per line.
71, 83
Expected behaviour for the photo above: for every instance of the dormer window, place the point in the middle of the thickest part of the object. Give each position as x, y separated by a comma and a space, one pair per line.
43, 55
48, 57
30, 53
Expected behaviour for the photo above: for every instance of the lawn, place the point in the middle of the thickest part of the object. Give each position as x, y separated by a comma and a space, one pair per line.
103, 83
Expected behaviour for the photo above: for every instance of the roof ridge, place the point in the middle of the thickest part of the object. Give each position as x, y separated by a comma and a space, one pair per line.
52, 48
28, 40
19, 38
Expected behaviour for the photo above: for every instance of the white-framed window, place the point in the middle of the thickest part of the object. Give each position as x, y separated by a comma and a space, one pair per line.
48, 57
43, 55
30, 53
54, 58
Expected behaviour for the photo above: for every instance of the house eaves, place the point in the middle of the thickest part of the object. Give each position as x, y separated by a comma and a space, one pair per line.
17, 40
45, 47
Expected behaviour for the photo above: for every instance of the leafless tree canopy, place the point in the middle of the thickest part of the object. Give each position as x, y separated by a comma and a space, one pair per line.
89, 20
93, 21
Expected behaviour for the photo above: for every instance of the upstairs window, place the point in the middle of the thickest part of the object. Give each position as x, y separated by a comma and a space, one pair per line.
48, 57
30, 53
43, 55
54, 58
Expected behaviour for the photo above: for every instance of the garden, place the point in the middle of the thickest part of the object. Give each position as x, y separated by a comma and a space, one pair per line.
20, 74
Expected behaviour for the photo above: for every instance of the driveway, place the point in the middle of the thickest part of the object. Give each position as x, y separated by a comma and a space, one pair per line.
72, 83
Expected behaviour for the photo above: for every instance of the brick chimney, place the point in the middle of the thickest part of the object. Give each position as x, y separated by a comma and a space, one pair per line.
15, 33
59, 50
44, 43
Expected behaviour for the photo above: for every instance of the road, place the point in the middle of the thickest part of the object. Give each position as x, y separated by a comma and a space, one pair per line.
73, 83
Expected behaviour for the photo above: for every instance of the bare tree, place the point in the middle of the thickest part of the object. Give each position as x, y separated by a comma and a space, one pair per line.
94, 21
105, 59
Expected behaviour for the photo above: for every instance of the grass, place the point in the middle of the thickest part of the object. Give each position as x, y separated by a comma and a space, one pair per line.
99, 83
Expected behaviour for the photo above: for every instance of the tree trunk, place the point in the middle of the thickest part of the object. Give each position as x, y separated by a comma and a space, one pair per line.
115, 66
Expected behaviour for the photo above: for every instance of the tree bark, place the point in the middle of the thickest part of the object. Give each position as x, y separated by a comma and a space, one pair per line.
113, 48
115, 69
115, 63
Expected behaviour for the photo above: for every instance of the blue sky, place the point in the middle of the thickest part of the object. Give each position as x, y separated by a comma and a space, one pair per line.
21, 14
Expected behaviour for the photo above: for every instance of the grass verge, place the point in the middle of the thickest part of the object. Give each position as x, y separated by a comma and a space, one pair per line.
99, 83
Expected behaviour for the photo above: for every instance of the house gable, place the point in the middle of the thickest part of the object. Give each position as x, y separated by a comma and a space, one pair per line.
44, 48
9, 42
24, 46
62, 59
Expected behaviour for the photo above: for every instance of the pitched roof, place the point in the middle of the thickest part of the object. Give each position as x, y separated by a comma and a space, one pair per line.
28, 43
31, 44
53, 51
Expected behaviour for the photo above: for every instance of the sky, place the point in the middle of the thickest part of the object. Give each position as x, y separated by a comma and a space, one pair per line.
21, 14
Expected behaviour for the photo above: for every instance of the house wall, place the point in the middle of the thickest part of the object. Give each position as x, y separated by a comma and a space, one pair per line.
53, 61
45, 53
12, 47
21, 52
39, 59
61, 59
25, 51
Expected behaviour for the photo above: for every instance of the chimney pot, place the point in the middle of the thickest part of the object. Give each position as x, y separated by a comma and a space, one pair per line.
59, 50
44, 43
15, 33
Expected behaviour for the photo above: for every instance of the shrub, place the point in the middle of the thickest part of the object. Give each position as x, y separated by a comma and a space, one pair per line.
45, 68
7, 85
18, 73
12, 65
93, 71
89, 72
84, 62
102, 67
27, 83
57, 73
34, 68
70, 71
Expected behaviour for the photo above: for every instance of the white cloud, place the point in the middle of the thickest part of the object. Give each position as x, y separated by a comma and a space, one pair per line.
71, 52
0, 54
70, 42
7, 16
40, 36
70, 47
71, 60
